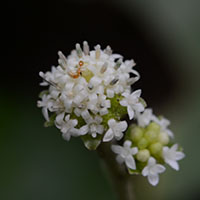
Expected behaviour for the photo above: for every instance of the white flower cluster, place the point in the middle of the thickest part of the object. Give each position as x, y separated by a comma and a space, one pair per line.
81, 88
88, 94
148, 142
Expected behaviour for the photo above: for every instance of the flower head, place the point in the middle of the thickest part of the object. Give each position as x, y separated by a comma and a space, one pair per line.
126, 153
171, 155
116, 130
131, 101
152, 170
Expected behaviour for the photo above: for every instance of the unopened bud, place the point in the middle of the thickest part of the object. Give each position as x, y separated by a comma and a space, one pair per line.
155, 148
136, 134
151, 135
142, 143
153, 127
163, 138
143, 155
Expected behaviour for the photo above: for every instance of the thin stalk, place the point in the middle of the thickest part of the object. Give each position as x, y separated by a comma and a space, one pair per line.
121, 180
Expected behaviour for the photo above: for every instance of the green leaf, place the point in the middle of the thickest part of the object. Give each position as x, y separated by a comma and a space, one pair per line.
90, 142
51, 120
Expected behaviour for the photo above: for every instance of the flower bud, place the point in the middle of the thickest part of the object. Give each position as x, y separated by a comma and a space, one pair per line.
155, 148
153, 127
163, 138
151, 135
136, 134
143, 155
142, 143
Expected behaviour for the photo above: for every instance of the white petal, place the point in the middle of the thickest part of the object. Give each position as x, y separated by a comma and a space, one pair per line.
95, 81
108, 136
123, 102
151, 161
174, 147
170, 133
174, 164
45, 113
93, 97
159, 168
84, 130
130, 162
111, 123
59, 118
123, 125
110, 93
127, 144
103, 111
134, 150
136, 93
130, 112
153, 179
117, 149
66, 136
145, 171
179, 155
100, 129
86, 115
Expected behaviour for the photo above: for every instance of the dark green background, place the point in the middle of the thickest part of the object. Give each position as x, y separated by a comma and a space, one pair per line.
164, 39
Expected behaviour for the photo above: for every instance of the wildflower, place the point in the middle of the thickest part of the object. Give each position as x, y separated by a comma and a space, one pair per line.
171, 155
66, 126
126, 153
131, 101
152, 170
93, 126
115, 130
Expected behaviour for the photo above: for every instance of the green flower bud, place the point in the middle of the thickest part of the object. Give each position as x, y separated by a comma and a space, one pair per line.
155, 148
143, 155
151, 135
153, 127
136, 133
142, 143
163, 138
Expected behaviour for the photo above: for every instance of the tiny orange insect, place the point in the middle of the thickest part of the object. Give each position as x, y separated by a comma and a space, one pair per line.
78, 72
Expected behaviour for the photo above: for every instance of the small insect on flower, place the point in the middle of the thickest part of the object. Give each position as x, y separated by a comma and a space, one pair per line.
78, 72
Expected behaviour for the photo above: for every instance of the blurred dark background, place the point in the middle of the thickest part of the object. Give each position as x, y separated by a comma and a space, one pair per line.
163, 39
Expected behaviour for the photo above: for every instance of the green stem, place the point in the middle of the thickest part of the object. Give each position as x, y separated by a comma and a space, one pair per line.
121, 180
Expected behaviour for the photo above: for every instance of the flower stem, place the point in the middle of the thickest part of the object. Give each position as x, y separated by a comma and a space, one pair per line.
121, 180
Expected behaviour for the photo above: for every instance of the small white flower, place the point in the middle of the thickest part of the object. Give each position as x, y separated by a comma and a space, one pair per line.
171, 155
66, 126
92, 127
115, 130
131, 101
152, 170
125, 154
145, 117
100, 106
46, 103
